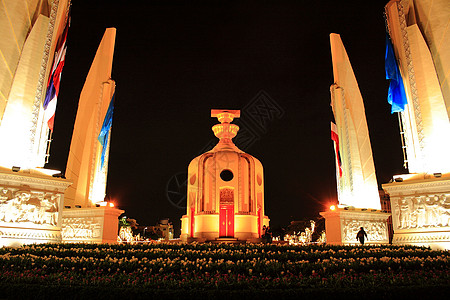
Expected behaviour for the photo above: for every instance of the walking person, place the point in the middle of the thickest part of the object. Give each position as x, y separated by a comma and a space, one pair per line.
361, 235
268, 235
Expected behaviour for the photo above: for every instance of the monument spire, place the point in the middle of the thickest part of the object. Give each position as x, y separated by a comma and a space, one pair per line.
225, 131
358, 185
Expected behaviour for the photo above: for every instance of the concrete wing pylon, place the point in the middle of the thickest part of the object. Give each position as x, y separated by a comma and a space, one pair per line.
84, 168
357, 186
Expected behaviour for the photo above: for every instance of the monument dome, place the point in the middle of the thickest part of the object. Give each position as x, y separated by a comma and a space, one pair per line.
225, 193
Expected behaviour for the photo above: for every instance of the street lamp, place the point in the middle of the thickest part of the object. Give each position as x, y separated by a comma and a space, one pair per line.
144, 231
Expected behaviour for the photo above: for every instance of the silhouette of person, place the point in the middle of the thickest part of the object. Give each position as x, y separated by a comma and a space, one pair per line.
360, 235
268, 235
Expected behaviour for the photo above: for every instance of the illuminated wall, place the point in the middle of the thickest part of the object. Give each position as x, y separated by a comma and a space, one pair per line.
225, 189
420, 33
357, 186
29, 32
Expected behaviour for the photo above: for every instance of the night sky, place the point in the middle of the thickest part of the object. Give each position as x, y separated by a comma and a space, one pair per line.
176, 60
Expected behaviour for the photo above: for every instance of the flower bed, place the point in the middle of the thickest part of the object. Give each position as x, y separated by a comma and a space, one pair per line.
188, 270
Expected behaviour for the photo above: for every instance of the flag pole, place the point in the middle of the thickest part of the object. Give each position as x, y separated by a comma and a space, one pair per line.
49, 141
402, 138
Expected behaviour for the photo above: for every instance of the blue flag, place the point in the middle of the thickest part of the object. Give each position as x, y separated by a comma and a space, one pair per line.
396, 93
106, 127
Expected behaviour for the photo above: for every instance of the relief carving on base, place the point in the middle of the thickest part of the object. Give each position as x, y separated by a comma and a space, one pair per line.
30, 234
19, 206
415, 238
422, 211
376, 230
81, 228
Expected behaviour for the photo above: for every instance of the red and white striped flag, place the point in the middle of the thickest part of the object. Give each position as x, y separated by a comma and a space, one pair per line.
54, 79
335, 138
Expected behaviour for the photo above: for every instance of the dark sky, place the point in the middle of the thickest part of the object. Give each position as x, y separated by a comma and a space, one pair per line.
176, 60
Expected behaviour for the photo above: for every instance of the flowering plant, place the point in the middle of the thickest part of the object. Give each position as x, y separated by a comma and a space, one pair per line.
219, 267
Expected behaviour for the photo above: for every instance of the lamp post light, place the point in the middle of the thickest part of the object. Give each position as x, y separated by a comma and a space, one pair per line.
144, 231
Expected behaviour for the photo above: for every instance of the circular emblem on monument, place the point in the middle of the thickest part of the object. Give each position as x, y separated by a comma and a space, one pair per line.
226, 175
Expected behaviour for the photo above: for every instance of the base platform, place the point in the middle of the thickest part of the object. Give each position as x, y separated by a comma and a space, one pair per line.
421, 210
30, 206
342, 225
226, 240
90, 225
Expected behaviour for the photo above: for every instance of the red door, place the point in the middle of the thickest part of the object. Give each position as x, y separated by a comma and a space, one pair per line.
259, 221
226, 219
192, 222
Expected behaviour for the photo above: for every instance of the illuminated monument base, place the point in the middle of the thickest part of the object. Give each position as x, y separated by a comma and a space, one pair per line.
30, 206
421, 210
342, 225
207, 228
90, 225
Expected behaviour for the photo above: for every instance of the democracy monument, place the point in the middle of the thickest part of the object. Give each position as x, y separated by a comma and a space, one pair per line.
225, 193
225, 190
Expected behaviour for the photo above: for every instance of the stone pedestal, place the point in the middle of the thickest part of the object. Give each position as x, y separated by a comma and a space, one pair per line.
90, 225
421, 209
342, 225
245, 228
30, 206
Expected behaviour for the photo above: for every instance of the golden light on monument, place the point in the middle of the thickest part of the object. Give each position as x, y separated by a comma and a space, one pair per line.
355, 170
225, 190
420, 200
31, 199
359, 203
92, 218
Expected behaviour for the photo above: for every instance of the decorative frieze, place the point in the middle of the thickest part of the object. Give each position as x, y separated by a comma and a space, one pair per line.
30, 207
22, 235
22, 206
342, 225
90, 225
421, 238
421, 211
376, 230
31, 180
82, 228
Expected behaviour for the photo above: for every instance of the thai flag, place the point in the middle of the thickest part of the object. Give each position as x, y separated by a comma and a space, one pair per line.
55, 79
335, 138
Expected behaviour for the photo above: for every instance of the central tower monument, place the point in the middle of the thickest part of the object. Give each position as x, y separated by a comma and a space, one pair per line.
225, 196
